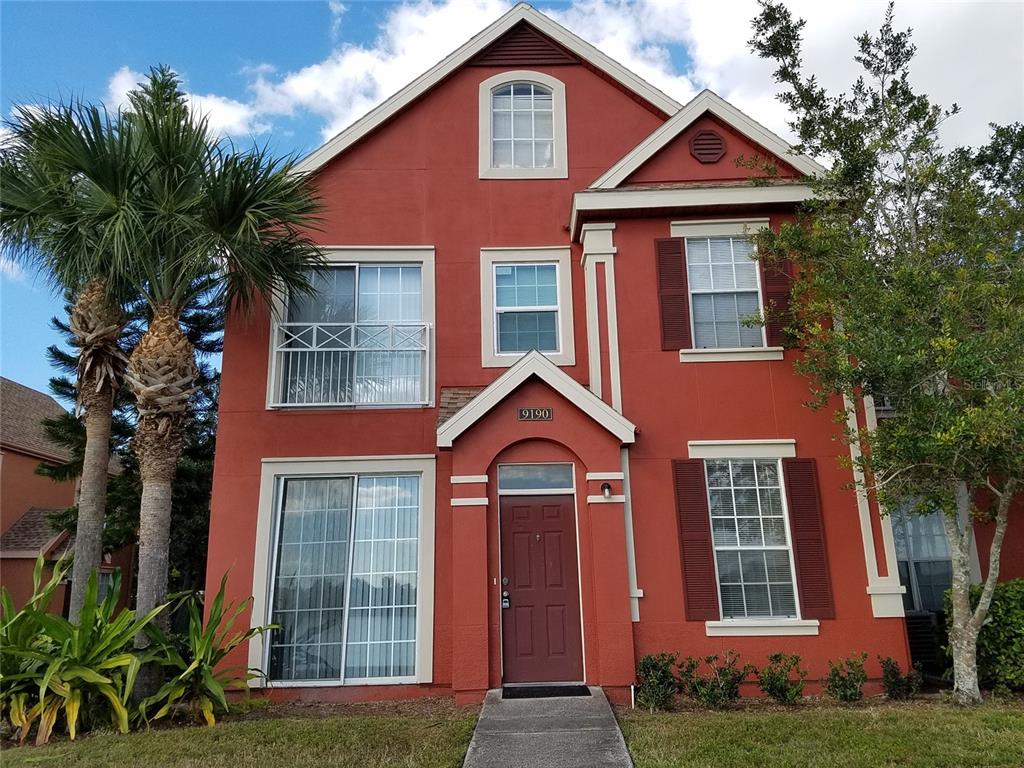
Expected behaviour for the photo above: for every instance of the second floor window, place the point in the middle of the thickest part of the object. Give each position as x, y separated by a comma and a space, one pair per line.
724, 292
526, 307
522, 126
359, 339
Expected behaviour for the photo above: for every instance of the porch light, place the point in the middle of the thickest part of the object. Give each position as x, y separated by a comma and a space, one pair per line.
606, 490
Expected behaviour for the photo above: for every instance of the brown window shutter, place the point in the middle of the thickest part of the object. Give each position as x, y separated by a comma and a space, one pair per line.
807, 527
672, 294
700, 586
778, 282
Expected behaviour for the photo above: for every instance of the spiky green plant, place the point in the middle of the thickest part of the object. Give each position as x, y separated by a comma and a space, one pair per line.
197, 683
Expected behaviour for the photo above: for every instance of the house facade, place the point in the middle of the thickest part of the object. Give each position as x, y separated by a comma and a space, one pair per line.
523, 434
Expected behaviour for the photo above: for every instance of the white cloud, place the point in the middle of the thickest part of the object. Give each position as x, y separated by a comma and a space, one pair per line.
226, 116
969, 53
11, 270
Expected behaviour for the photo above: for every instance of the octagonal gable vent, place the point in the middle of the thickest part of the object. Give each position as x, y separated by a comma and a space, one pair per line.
707, 146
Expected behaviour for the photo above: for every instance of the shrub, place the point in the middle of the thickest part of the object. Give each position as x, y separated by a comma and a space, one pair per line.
776, 679
73, 668
896, 684
195, 683
656, 689
1001, 640
721, 687
845, 681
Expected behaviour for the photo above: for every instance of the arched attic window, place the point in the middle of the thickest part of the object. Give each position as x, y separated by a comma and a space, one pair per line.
522, 127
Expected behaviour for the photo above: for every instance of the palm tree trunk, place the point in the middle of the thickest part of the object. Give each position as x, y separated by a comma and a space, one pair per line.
92, 498
97, 323
162, 373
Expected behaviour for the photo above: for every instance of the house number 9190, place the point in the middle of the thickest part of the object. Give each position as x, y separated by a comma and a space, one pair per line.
535, 414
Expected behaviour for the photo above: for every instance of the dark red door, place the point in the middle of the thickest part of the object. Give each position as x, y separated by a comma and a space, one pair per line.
541, 635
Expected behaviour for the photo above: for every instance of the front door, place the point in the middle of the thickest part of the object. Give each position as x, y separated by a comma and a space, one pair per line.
541, 634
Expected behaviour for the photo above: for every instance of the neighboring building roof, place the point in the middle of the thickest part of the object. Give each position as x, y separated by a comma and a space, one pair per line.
704, 102
22, 411
32, 535
535, 364
453, 400
521, 13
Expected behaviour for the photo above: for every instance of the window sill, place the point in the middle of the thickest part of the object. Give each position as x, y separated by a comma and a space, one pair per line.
760, 627
367, 681
740, 354
508, 359
524, 173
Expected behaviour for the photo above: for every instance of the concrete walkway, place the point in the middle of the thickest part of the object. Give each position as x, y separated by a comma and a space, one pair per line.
570, 732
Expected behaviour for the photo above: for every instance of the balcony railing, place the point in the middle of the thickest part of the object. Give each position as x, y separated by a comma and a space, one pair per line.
338, 364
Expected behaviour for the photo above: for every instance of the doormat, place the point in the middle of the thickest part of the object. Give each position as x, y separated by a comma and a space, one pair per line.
543, 691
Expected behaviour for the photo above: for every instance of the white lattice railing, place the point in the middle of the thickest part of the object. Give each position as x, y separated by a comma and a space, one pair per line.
317, 364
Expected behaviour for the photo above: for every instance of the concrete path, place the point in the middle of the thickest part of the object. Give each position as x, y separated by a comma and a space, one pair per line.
570, 732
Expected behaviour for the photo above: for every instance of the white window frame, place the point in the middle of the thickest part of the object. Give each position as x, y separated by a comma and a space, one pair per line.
490, 258
341, 256
720, 450
723, 228
273, 474
559, 169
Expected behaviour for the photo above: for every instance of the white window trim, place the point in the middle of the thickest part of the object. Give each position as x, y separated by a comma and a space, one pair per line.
339, 255
761, 627
560, 167
771, 448
272, 473
723, 228
491, 257
774, 621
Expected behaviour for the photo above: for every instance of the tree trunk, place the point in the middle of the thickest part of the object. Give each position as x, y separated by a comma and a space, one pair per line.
92, 500
963, 637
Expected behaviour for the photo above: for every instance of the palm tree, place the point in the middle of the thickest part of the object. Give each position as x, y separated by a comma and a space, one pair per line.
57, 162
205, 212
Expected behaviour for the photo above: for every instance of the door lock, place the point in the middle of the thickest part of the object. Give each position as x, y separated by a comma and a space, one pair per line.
505, 602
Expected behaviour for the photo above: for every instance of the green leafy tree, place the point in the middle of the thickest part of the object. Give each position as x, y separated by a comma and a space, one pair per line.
58, 161
910, 285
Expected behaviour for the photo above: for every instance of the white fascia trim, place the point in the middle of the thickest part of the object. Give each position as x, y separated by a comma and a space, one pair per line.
457, 479
631, 199
606, 500
742, 449
560, 166
716, 227
705, 101
448, 65
761, 627
271, 472
562, 256
738, 355
606, 475
535, 364
480, 501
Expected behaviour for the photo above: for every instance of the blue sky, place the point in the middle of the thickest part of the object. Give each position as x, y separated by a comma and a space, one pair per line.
291, 74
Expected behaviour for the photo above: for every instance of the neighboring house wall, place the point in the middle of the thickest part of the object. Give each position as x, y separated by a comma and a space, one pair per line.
22, 488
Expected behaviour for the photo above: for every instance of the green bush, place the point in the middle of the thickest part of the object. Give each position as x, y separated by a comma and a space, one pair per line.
896, 684
1001, 640
53, 667
195, 683
721, 686
656, 682
845, 680
777, 679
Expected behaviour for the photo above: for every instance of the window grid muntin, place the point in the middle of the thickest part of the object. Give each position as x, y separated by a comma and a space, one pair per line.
553, 309
755, 291
355, 478
739, 548
509, 91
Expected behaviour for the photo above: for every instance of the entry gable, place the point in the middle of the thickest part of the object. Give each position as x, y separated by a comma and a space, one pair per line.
535, 364
531, 31
707, 124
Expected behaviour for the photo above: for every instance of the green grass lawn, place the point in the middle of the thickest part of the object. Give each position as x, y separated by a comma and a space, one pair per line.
917, 735
373, 736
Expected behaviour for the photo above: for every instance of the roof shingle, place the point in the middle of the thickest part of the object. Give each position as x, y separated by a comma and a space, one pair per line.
32, 532
453, 400
22, 411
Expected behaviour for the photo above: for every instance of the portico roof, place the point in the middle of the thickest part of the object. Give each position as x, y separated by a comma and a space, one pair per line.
535, 364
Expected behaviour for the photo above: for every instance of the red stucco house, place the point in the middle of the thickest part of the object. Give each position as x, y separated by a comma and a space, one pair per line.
522, 435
